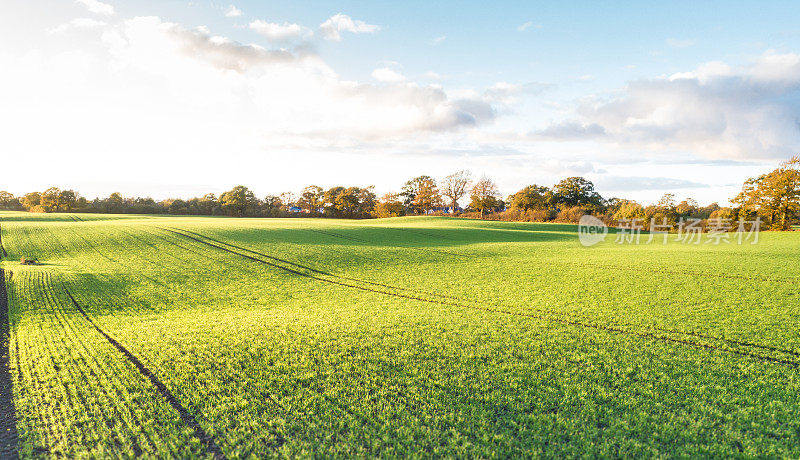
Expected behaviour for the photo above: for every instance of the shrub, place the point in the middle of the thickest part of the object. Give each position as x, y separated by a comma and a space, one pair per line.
571, 215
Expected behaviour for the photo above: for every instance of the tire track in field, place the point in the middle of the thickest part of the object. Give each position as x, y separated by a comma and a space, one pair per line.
540, 315
661, 329
9, 438
3, 252
99, 372
187, 418
461, 299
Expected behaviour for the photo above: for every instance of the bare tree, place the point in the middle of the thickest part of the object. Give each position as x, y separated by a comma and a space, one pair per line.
455, 187
288, 199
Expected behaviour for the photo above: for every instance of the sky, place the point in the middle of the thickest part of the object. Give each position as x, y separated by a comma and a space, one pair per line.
176, 99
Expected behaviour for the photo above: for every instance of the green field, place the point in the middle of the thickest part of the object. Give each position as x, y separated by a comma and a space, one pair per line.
215, 337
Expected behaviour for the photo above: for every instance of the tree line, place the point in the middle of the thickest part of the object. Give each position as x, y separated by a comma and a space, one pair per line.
773, 197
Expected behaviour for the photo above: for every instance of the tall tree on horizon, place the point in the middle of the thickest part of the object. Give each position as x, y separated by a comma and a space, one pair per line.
484, 195
455, 187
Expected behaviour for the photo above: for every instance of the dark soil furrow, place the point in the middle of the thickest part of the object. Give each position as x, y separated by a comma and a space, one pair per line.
3, 252
98, 372
187, 418
9, 437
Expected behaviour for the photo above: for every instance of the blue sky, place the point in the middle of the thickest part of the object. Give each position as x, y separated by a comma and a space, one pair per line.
643, 98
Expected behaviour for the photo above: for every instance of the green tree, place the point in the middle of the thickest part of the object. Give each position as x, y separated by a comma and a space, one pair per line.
774, 196
366, 201
329, 200
421, 194
311, 199
31, 199
49, 199
239, 201
67, 200
389, 206
115, 203
346, 202
532, 197
577, 191
7, 200
208, 204
484, 195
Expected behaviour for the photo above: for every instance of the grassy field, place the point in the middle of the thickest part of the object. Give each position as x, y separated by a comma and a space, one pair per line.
213, 337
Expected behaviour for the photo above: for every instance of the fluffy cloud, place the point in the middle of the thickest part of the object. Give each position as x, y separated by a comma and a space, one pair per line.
233, 12
633, 183
132, 41
717, 111
78, 23
387, 75
97, 7
281, 32
170, 94
332, 28
571, 129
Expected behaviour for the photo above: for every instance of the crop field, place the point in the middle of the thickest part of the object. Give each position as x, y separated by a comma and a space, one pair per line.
217, 338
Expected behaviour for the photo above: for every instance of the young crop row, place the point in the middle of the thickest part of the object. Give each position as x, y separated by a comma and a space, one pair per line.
8, 415
76, 393
280, 348
743, 348
135, 251
3, 252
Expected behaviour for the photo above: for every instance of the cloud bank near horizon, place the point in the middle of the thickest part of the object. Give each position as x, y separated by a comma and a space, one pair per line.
173, 94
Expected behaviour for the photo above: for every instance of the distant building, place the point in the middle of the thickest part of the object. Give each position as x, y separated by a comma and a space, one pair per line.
446, 209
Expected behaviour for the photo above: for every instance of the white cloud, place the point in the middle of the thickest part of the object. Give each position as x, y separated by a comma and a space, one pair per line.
387, 75
571, 129
233, 12
430, 75
97, 7
717, 111
634, 183
527, 25
198, 44
438, 40
332, 28
78, 23
281, 32
503, 92
676, 43
586, 77
174, 95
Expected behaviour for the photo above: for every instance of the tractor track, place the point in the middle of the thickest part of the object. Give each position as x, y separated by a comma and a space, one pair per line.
187, 418
540, 315
99, 372
3, 252
9, 438
460, 299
